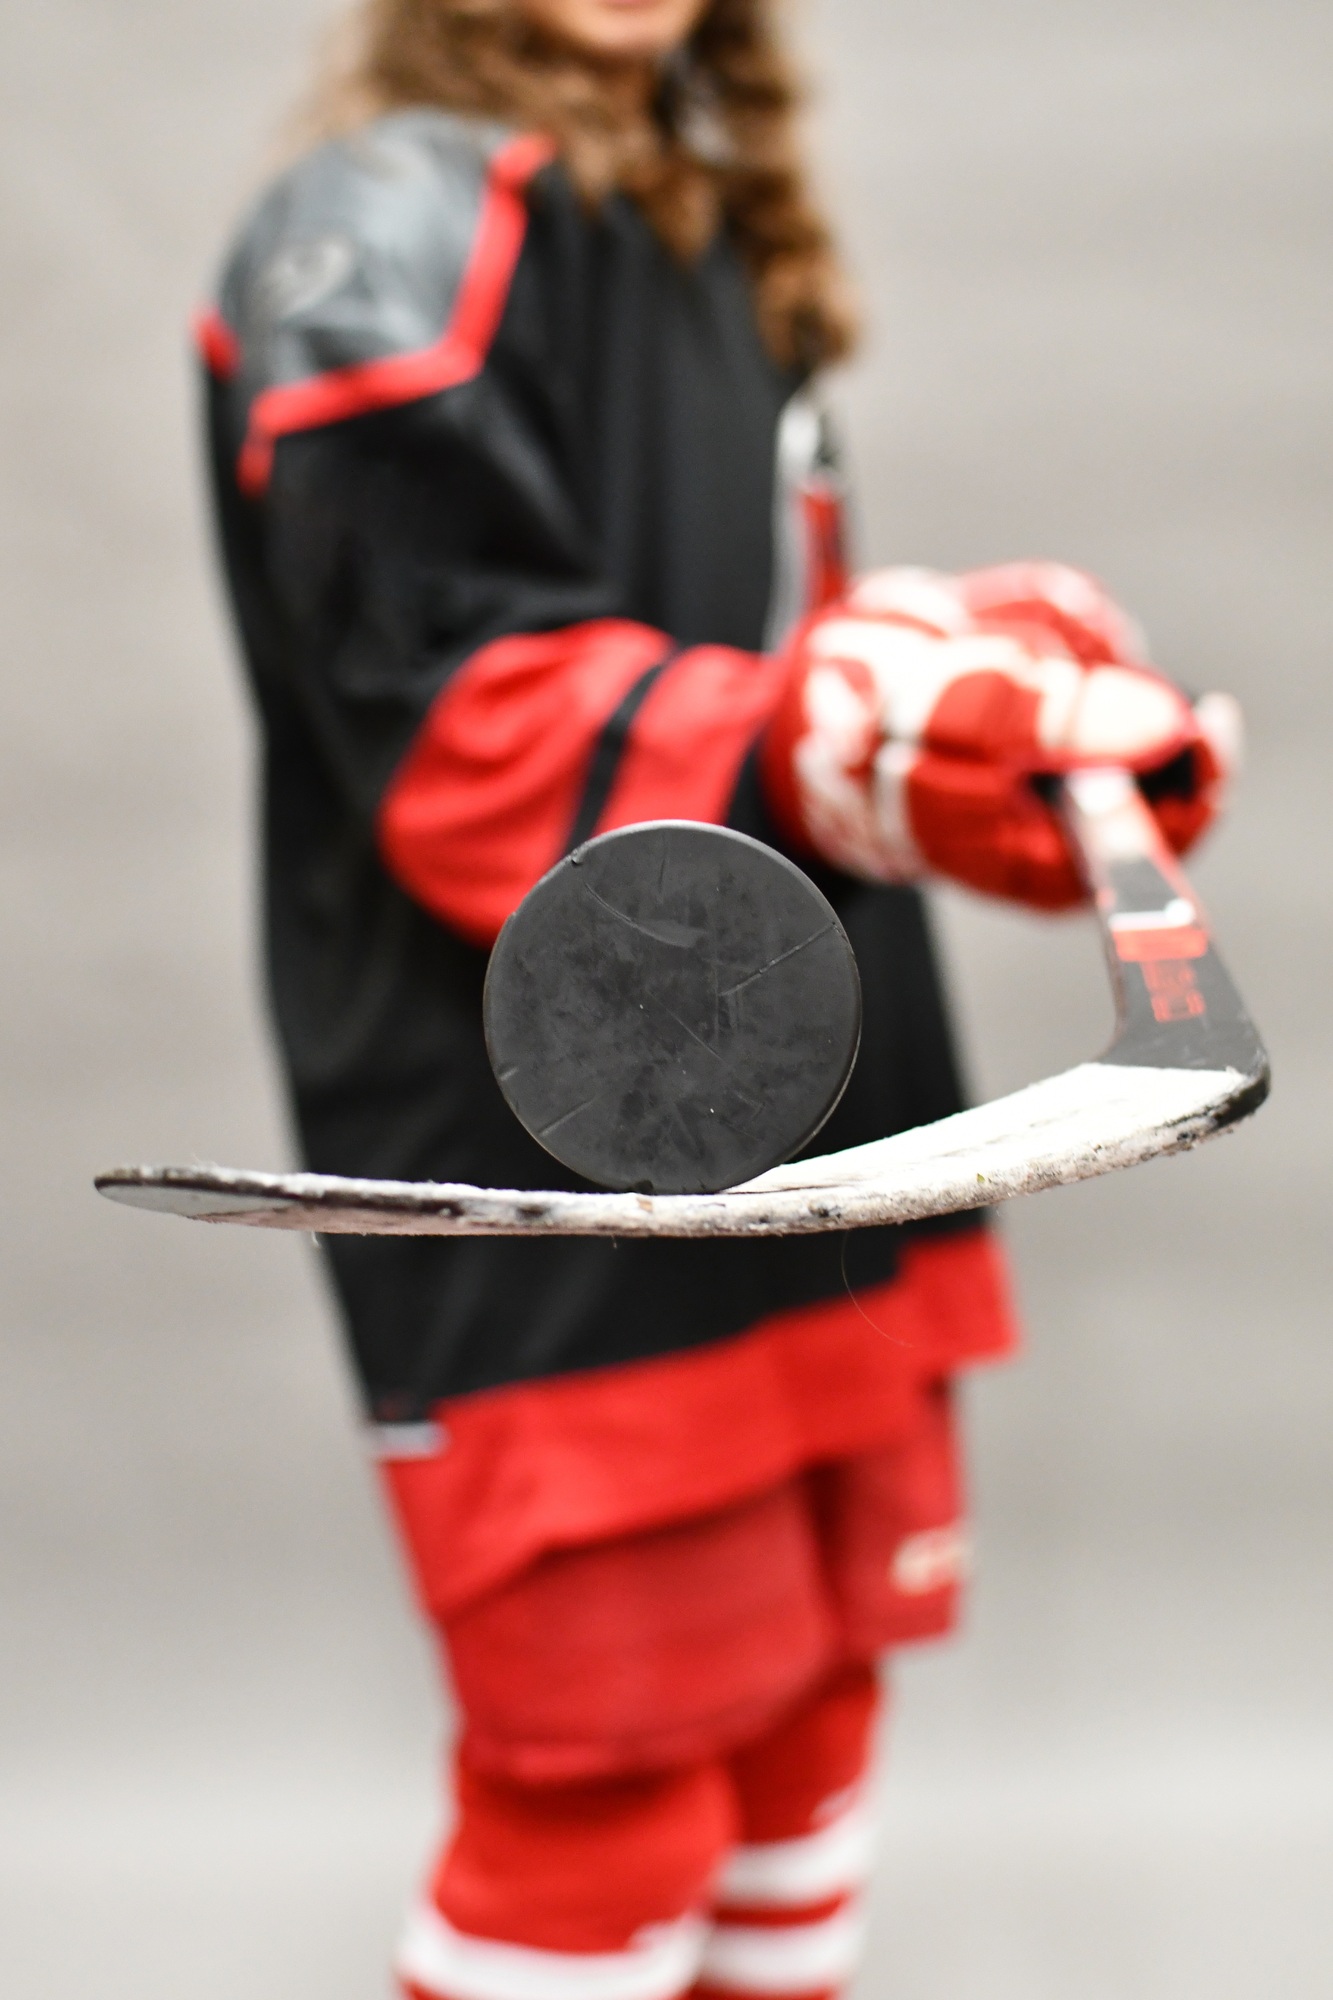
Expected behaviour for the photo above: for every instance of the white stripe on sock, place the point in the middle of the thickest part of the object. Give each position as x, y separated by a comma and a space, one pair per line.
661, 1964
776, 1959
783, 1873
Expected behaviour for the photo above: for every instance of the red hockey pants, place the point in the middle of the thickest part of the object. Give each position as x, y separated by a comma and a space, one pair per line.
661, 1781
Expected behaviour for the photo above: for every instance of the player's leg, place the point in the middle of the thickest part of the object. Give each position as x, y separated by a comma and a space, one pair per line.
787, 1914
601, 1692
578, 1891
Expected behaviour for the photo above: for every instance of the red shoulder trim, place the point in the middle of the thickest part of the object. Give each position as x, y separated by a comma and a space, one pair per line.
217, 344
456, 356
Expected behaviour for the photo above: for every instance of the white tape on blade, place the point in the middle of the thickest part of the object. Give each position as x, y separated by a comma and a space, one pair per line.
1060, 1121
1088, 1121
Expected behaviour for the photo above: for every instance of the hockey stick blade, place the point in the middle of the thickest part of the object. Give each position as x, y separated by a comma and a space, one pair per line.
1185, 1063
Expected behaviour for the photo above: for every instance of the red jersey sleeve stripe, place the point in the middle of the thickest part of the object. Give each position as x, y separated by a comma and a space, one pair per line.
698, 723
458, 354
483, 803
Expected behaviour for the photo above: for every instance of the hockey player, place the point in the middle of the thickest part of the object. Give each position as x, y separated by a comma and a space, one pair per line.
531, 525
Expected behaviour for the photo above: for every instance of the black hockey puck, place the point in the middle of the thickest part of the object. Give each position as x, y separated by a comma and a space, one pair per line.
674, 1008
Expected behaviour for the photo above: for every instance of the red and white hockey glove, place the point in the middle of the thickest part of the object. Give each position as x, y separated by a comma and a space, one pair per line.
921, 708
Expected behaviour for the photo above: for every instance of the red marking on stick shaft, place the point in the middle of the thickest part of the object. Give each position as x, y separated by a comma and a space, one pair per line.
1173, 990
1185, 941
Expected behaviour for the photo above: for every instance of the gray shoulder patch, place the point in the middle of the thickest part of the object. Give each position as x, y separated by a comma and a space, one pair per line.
358, 252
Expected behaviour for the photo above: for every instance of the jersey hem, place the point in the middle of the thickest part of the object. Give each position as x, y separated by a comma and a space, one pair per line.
507, 1474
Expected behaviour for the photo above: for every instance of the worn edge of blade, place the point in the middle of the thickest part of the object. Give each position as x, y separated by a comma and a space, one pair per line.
1091, 1120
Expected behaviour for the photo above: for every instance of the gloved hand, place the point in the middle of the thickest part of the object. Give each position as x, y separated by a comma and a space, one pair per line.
922, 711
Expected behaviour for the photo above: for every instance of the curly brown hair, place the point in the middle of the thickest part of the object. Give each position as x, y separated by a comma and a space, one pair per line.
717, 144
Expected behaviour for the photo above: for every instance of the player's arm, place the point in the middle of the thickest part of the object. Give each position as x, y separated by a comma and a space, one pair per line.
394, 456
390, 463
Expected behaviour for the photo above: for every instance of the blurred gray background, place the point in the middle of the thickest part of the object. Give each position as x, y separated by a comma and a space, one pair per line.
1094, 242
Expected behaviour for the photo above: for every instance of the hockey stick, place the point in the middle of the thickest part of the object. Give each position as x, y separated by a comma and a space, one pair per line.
1185, 1063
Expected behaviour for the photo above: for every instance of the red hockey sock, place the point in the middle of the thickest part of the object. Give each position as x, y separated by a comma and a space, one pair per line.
787, 1916
590, 1891
612, 1844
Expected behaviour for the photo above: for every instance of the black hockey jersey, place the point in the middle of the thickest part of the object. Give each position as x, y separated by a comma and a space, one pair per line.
513, 507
